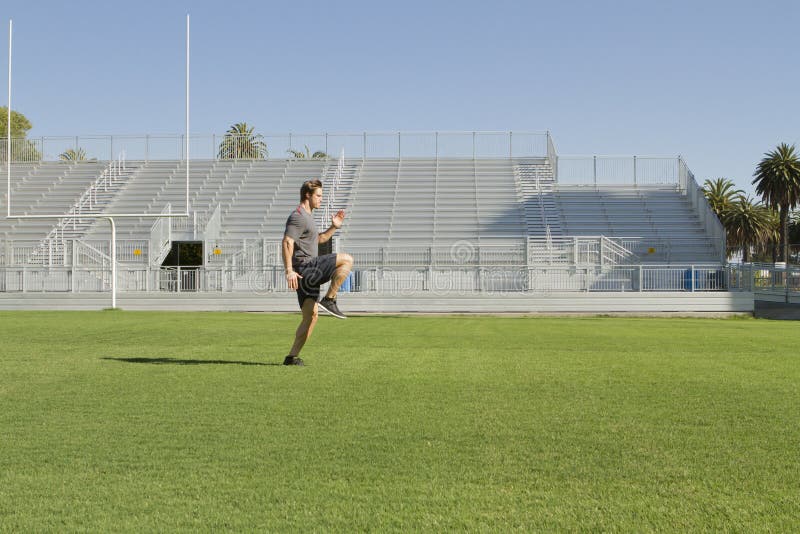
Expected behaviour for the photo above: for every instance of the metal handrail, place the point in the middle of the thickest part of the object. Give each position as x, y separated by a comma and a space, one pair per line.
160, 237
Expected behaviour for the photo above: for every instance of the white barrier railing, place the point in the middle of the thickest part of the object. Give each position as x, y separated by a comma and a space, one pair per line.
565, 251
618, 170
332, 187
388, 281
581, 250
77, 252
213, 226
357, 145
160, 238
767, 281
552, 156
711, 223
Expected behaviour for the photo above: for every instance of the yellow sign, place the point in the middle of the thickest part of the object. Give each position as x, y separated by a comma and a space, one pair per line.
651, 250
217, 251
137, 252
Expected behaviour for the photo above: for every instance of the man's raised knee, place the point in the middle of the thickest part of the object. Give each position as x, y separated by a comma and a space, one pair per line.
344, 259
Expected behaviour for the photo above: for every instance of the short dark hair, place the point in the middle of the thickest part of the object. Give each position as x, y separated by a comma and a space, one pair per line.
309, 186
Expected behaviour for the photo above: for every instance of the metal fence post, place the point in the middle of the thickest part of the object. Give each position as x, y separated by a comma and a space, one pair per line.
473, 145
510, 145
641, 279
147, 148
634, 170
364, 151
594, 170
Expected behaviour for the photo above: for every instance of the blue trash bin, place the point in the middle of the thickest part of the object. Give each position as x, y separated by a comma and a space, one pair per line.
687, 279
346, 284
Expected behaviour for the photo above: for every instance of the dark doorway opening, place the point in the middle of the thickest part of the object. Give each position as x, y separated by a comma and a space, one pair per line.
184, 254
180, 270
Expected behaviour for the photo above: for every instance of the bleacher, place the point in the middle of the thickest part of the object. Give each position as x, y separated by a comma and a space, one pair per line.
44, 188
658, 219
391, 203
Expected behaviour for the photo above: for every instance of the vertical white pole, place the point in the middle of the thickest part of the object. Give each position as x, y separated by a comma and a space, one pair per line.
8, 131
113, 263
187, 113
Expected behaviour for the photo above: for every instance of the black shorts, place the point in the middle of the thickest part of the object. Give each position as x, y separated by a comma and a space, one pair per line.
315, 272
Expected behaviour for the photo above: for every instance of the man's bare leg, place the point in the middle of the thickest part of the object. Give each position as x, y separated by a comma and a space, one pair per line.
306, 326
344, 264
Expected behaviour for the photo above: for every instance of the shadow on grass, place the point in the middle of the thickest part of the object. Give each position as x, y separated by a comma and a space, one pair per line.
176, 361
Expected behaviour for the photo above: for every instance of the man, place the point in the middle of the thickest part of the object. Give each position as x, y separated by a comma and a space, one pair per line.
305, 270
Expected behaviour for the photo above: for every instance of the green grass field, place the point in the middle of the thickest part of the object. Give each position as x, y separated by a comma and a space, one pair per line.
133, 421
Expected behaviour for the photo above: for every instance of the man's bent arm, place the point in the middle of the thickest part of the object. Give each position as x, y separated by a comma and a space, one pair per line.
326, 236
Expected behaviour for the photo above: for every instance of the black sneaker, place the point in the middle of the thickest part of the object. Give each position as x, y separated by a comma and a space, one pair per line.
329, 305
292, 360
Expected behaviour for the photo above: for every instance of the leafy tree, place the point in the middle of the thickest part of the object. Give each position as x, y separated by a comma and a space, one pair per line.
299, 154
21, 148
767, 250
73, 155
777, 180
241, 143
749, 225
20, 125
721, 194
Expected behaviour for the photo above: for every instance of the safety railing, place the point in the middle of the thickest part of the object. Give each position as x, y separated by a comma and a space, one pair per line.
73, 252
242, 253
88, 204
160, 237
333, 186
195, 224
213, 226
711, 223
253, 252
767, 281
618, 170
87, 254
442, 280
222, 146
581, 250
552, 155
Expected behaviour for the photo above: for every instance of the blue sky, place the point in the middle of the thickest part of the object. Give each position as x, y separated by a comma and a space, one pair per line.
714, 81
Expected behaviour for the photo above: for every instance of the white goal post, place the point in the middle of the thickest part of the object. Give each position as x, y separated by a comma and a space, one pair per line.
108, 216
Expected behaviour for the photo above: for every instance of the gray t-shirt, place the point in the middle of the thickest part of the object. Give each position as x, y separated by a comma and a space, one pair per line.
301, 227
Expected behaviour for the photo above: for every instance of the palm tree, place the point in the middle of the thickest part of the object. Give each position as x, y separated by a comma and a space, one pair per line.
750, 225
73, 154
299, 154
777, 180
721, 194
771, 244
240, 143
